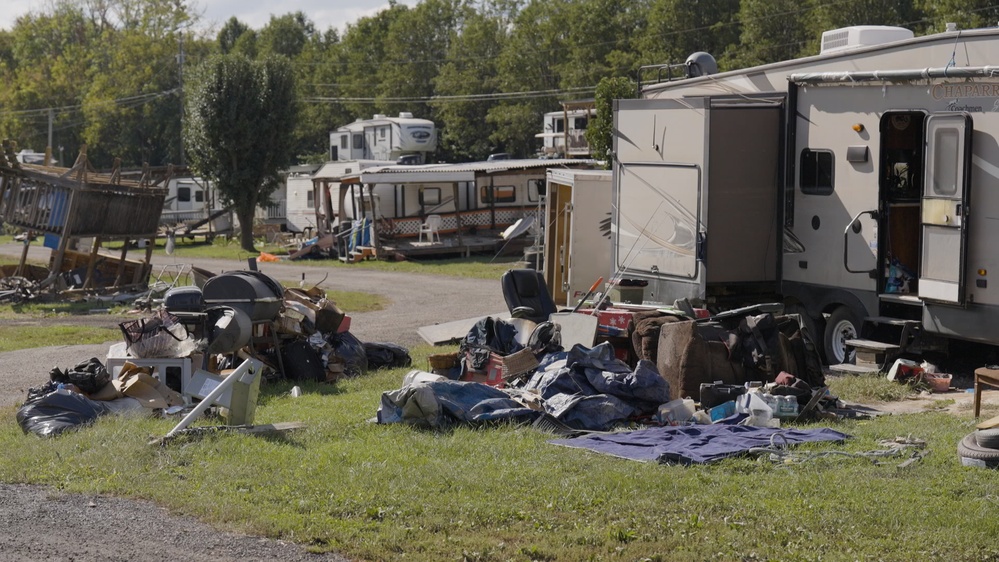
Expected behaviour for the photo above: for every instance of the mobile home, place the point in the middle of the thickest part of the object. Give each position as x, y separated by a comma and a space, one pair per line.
385, 138
856, 185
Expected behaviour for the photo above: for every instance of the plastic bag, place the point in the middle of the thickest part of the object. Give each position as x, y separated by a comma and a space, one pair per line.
381, 354
57, 412
351, 351
89, 376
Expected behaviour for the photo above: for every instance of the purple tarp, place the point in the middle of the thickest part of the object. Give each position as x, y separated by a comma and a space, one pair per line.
695, 444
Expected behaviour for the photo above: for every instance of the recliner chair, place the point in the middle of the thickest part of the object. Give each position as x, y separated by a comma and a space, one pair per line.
526, 295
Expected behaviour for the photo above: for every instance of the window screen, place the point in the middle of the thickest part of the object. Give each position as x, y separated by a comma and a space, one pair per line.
183, 194
499, 194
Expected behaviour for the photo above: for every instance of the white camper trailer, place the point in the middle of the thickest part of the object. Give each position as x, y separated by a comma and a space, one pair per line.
857, 185
385, 138
564, 134
577, 248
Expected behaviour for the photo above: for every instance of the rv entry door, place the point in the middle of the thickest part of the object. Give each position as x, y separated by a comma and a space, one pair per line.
944, 207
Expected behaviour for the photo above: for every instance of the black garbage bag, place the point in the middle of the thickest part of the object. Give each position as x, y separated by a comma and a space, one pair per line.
302, 362
382, 354
89, 376
59, 411
349, 349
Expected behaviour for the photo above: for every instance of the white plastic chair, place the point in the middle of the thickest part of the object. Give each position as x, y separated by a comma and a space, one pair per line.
431, 228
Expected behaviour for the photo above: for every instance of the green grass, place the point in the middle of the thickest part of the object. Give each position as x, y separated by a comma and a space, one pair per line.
871, 387
503, 493
14, 337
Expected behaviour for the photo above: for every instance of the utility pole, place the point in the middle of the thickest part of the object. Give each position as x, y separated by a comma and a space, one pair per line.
48, 149
180, 95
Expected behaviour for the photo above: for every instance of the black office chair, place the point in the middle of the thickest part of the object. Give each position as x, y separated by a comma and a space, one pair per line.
526, 295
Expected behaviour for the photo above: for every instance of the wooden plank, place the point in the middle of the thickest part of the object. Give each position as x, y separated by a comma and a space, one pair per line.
872, 345
989, 423
450, 332
850, 369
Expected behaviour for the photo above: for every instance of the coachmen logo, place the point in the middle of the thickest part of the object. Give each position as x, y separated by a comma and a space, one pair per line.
420, 135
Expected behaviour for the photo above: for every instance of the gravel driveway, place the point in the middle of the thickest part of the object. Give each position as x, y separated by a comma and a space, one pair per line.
41, 524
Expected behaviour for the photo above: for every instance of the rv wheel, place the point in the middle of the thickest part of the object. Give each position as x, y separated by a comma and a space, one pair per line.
841, 325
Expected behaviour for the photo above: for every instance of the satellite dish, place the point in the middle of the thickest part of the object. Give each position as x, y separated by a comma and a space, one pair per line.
518, 228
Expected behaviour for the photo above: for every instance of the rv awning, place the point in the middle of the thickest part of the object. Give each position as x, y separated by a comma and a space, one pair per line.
414, 176
847, 77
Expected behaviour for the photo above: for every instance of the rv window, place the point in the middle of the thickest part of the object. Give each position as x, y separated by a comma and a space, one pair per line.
816, 172
499, 194
358, 141
381, 132
430, 196
184, 194
579, 123
310, 199
534, 189
559, 125
199, 196
343, 142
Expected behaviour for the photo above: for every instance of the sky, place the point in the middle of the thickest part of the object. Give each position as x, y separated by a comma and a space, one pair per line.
255, 13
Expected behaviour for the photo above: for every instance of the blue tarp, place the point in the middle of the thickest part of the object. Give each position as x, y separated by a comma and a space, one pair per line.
696, 444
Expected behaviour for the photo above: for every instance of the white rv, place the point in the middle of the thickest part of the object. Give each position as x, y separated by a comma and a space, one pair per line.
191, 201
564, 134
385, 138
858, 185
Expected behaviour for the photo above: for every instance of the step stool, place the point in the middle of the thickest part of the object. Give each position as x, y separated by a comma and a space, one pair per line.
873, 355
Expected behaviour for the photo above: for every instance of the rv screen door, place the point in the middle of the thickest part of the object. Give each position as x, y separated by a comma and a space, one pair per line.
945, 207
657, 222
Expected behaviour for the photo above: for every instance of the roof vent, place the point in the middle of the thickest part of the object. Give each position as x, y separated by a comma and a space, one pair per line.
858, 36
700, 64
405, 115
379, 116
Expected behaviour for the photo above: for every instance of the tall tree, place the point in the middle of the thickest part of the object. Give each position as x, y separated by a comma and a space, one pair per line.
241, 117
678, 28
416, 47
772, 30
286, 35
600, 129
230, 34
470, 71
967, 14
363, 52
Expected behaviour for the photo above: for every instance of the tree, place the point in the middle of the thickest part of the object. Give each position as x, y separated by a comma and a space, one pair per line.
241, 118
598, 132
470, 71
772, 30
230, 34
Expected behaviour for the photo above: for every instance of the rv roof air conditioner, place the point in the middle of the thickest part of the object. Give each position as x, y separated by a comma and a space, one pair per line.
857, 36
700, 64
379, 116
405, 115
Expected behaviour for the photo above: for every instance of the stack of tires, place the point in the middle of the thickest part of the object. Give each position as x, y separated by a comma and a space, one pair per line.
980, 448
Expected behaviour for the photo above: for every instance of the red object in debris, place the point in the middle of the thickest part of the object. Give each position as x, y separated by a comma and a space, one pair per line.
493, 375
614, 322
344, 325
702, 313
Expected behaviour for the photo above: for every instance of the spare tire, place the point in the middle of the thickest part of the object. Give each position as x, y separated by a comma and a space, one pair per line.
973, 454
988, 438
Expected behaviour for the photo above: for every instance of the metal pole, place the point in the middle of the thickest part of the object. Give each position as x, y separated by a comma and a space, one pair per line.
249, 367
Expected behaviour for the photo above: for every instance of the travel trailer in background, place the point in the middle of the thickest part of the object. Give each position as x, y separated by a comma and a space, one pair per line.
385, 138
191, 206
474, 201
856, 186
577, 217
564, 132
